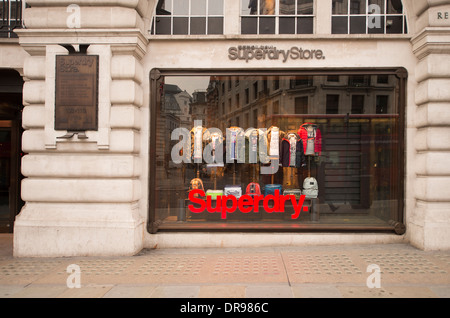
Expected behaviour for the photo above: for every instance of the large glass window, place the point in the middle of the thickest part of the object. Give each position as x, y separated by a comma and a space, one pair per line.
368, 17
277, 16
188, 17
299, 151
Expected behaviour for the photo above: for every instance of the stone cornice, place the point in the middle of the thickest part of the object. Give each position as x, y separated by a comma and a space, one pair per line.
131, 41
431, 40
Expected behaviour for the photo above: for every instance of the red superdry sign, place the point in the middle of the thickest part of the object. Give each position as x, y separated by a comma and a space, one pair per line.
246, 204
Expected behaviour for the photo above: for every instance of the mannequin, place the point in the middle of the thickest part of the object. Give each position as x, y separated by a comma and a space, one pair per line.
292, 158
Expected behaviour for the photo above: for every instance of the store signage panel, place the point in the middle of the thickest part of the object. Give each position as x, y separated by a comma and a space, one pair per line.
264, 52
76, 96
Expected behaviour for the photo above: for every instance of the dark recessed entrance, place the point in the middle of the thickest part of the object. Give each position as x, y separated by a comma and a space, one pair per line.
11, 85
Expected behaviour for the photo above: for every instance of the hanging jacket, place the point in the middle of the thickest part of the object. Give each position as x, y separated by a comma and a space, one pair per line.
273, 146
291, 152
303, 134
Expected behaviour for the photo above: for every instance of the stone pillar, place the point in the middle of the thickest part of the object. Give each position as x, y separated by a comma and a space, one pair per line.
83, 196
429, 224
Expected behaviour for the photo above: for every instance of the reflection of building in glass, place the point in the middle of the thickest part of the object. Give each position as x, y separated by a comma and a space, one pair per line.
356, 114
174, 113
253, 102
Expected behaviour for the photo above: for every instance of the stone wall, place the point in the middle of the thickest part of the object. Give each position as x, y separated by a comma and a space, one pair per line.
83, 196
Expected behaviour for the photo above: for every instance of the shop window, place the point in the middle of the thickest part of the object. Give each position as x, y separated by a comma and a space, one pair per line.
284, 162
188, 17
277, 16
368, 17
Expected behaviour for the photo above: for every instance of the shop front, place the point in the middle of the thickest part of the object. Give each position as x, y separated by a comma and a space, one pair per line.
233, 123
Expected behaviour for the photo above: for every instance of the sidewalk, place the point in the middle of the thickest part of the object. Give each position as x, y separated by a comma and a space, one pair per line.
290, 272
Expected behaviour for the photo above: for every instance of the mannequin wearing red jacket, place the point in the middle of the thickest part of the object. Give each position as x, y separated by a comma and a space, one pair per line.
302, 132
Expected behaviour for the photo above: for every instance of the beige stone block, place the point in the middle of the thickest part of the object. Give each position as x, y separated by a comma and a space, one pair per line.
433, 90
126, 92
433, 188
433, 114
90, 17
437, 236
81, 166
434, 212
34, 67
81, 190
125, 117
433, 66
33, 140
34, 92
33, 117
127, 141
433, 163
72, 229
433, 138
12, 56
124, 67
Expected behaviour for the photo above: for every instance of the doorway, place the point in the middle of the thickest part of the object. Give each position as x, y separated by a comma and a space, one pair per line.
11, 85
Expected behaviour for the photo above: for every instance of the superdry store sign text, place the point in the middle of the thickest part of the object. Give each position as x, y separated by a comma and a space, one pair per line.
254, 52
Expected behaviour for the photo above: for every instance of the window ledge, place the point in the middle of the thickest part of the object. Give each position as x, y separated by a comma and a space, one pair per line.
9, 41
278, 37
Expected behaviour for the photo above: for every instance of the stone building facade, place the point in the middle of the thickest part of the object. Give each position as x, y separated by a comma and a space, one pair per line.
91, 196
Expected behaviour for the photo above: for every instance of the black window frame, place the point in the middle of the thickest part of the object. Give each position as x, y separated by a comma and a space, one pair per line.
395, 225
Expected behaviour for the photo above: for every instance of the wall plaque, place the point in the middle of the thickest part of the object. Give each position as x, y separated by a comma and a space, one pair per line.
76, 90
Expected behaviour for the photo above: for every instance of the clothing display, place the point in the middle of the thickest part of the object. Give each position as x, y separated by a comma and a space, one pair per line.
311, 137
253, 189
274, 137
291, 153
234, 139
310, 188
244, 161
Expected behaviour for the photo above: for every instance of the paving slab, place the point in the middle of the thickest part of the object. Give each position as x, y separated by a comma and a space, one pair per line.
269, 291
131, 291
222, 291
175, 292
315, 291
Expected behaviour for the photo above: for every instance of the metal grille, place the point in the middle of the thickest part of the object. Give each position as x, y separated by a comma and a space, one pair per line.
11, 12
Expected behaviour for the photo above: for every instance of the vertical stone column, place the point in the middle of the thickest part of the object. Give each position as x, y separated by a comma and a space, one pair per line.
430, 221
83, 196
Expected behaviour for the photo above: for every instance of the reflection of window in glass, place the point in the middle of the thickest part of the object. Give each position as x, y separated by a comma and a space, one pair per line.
358, 104
359, 81
277, 16
333, 78
276, 107
382, 104
276, 83
188, 17
368, 17
332, 104
301, 81
301, 105
383, 79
